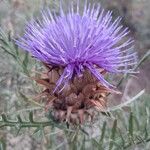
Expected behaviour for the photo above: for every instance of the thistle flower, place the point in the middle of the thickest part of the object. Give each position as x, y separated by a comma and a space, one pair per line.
78, 41
88, 43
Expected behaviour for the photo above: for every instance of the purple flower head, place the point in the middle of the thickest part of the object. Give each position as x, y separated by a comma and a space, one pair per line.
78, 41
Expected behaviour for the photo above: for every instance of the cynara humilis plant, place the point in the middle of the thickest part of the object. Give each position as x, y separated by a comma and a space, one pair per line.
78, 49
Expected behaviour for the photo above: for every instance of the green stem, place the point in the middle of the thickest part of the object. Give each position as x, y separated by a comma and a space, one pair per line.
72, 139
25, 124
5, 122
137, 143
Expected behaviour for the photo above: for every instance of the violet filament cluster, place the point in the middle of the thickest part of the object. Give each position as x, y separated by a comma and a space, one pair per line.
78, 41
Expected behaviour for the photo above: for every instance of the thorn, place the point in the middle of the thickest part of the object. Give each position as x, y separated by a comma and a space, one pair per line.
62, 115
81, 115
41, 81
69, 110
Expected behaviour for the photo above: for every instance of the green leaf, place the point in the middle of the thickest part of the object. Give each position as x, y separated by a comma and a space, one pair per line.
131, 124
144, 58
136, 122
25, 62
8, 52
24, 97
19, 119
103, 132
85, 132
140, 139
9, 47
9, 36
39, 133
129, 100
113, 133
145, 132
31, 117
4, 41
18, 131
16, 49
121, 137
2, 144
26, 59
37, 130
83, 144
95, 143
4, 118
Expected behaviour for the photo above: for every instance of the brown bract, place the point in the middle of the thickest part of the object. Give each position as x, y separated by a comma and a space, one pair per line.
76, 103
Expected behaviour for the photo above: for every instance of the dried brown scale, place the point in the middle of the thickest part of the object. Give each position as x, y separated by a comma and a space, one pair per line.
76, 103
